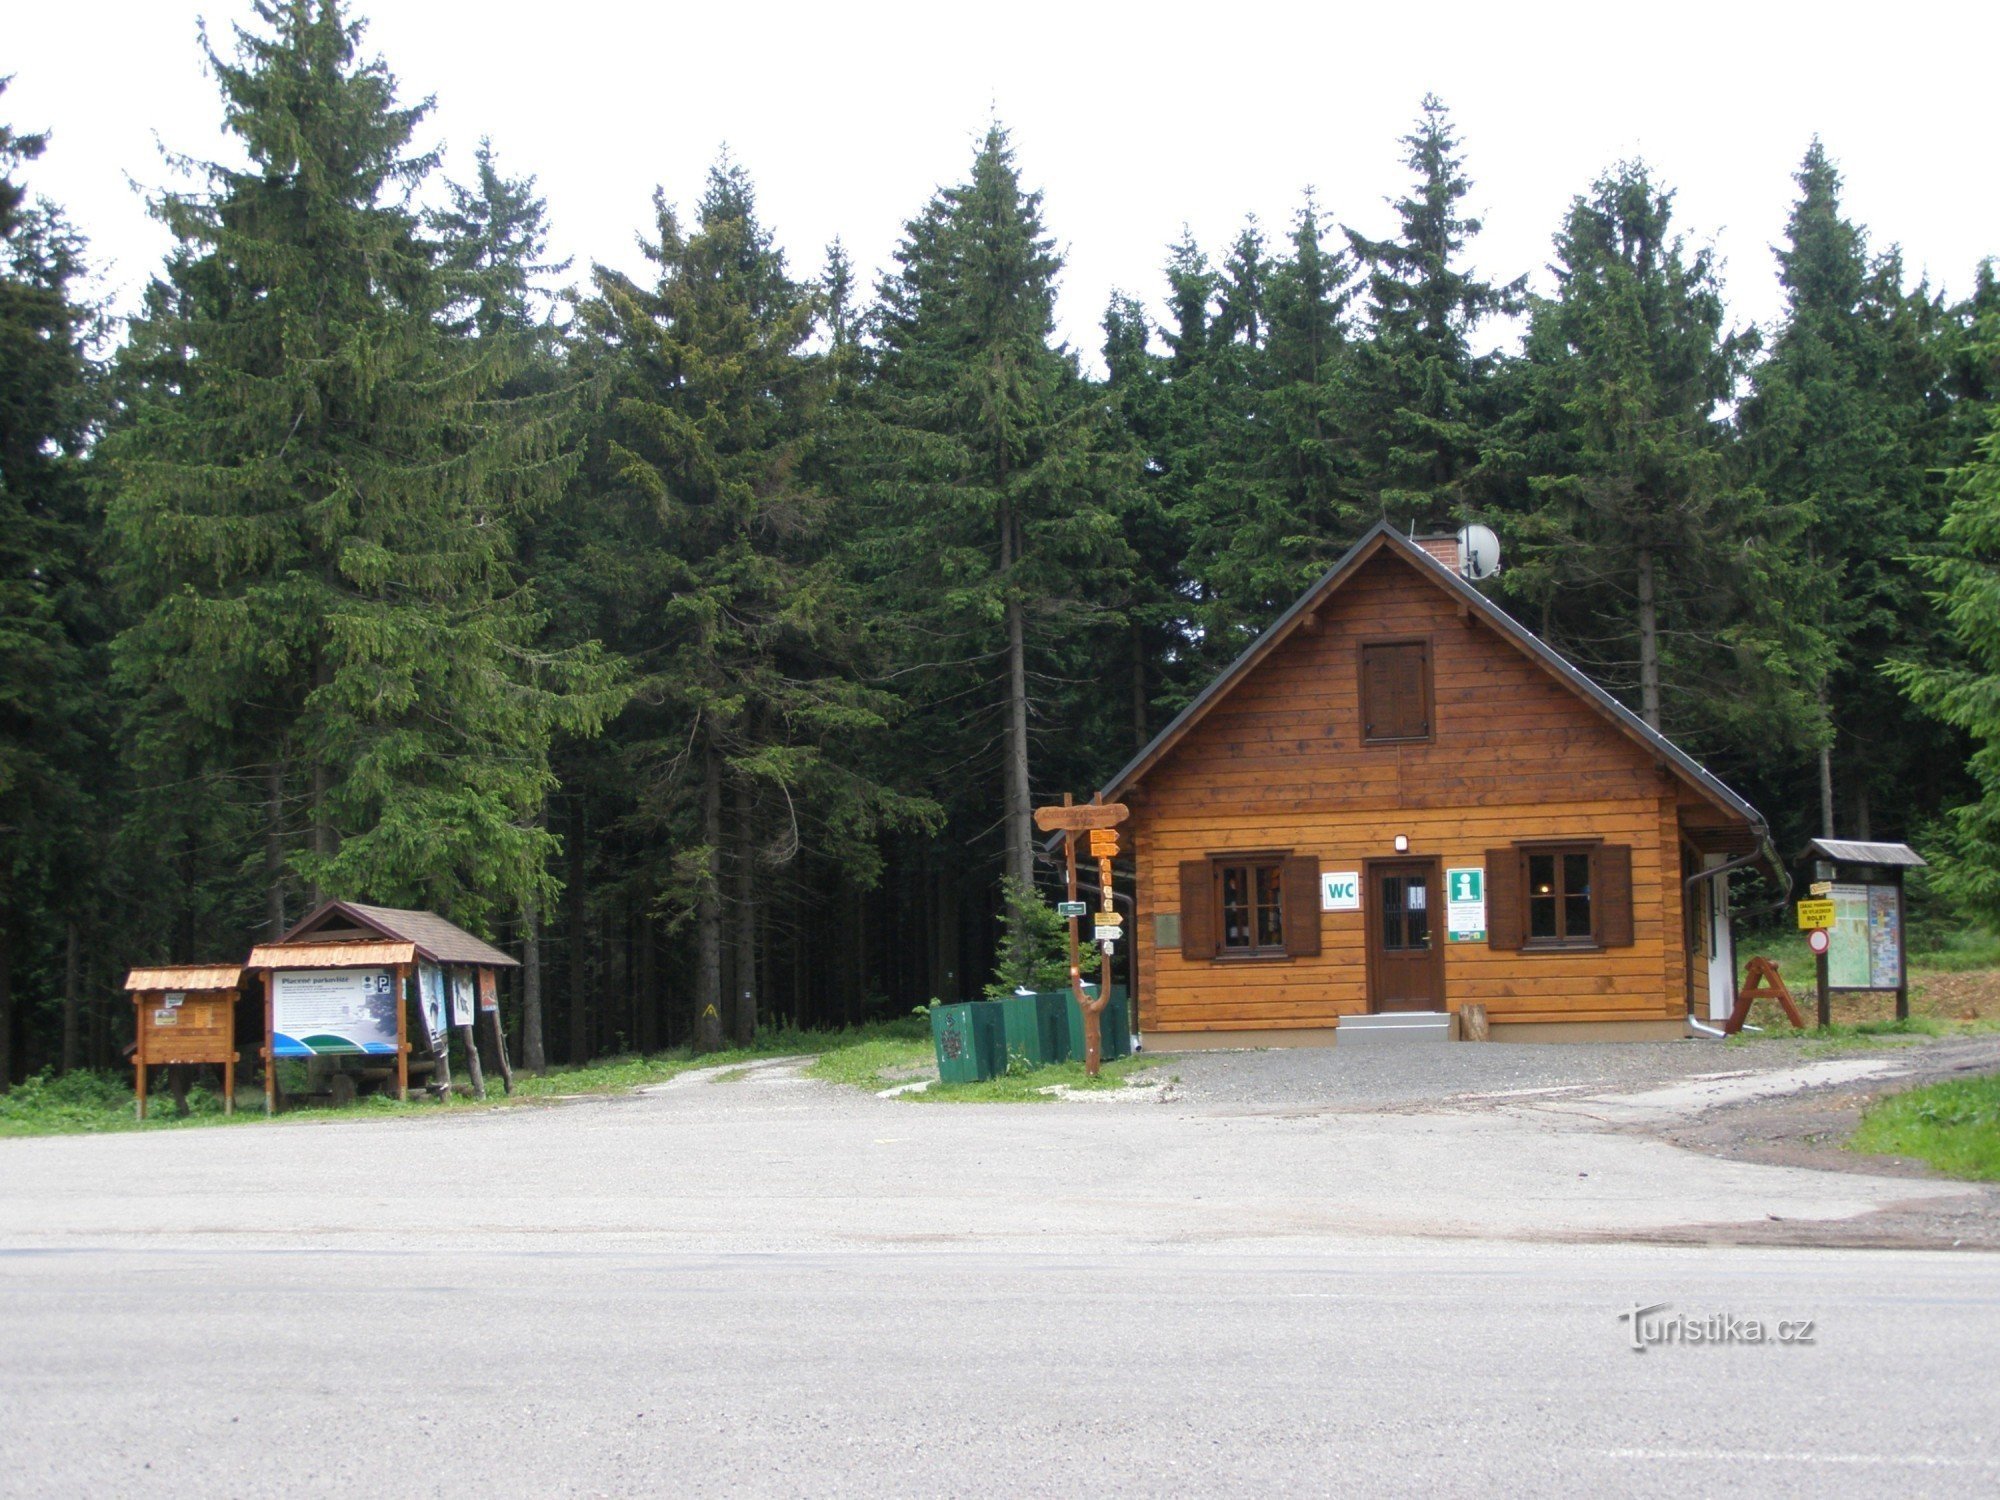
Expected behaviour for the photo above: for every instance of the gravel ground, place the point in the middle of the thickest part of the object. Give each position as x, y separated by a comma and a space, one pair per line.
1386, 1077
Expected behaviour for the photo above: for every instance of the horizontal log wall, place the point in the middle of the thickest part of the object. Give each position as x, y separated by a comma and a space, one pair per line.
1278, 764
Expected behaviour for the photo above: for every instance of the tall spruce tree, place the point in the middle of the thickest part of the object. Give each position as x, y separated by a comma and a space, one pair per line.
711, 550
990, 464
52, 714
1277, 499
1645, 561
1845, 423
1423, 398
500, 292
1962, 688
316, 499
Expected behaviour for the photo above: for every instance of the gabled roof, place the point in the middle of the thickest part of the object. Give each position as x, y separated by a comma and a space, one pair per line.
1855, 852
432, 936
352, 954
1383, 537
193, 978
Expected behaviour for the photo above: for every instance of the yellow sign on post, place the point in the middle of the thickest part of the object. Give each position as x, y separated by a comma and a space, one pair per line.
1815, 914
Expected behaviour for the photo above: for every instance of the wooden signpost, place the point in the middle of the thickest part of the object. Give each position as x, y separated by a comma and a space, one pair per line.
1100, 820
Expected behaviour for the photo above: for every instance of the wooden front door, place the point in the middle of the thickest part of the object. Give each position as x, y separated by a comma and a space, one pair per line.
1405, 935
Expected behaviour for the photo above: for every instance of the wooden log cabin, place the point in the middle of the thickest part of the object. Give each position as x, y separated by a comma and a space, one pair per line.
1398, 799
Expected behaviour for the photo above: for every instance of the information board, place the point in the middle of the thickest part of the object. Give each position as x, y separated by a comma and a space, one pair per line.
1865, 951
317, 1011
461, 997
1465, 904
430, 1001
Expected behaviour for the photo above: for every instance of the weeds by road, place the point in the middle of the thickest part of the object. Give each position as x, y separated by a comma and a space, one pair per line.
1955, 1126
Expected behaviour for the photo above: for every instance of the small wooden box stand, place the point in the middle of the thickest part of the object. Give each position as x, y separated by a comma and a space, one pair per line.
185, 1014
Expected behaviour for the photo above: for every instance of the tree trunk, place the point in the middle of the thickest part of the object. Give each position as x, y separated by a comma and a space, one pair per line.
708, 912
6, 999
1139, 696
744, 1021
534, 1049
579, 945
1649, 643
322, 830
274, 850
649, 979
1826, 768
1018, 814
71, 999
1863, 822
324, 841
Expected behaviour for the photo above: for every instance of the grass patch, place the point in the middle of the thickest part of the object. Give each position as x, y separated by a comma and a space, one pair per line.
1025, 1087
1954, 952
870, 1062
1954, 1126
85, 1102
1846, 1035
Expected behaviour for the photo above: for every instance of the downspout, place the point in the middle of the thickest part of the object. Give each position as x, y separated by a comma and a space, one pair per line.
1765, 852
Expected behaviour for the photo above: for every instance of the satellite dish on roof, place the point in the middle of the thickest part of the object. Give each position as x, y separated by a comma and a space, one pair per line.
1478, 553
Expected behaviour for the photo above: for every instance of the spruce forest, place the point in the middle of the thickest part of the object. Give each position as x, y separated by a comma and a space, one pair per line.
706, 636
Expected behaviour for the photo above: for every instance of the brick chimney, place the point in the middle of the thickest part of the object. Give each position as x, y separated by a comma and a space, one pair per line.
1443, 548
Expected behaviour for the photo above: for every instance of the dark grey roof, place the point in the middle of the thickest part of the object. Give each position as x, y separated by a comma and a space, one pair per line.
1854, 852
1382, 533
436, 939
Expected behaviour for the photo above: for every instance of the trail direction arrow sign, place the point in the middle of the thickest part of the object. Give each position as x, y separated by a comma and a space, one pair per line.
1081, 816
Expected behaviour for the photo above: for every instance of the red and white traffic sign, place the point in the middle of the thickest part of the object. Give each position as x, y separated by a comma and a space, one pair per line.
1816, 940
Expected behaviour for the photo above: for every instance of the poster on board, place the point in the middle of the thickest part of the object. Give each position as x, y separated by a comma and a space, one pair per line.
1847, 947
1465, 904
321, 1011
1885, 937
430, 1000
461, 997
489, 998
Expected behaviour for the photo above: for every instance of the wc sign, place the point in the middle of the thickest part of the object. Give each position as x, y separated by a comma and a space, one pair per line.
1340, 891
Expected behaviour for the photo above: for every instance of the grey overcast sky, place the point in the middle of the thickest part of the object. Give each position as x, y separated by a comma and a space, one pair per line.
1133, 119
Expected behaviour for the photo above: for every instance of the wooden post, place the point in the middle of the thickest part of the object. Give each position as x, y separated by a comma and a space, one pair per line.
489, 1002
139, 1053
1902, 954
1825, 1016
402, 1033
270, 1042
229, 1085
472, 1060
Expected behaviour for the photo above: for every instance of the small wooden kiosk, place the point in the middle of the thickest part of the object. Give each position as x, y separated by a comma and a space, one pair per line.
339, 984
185, 1014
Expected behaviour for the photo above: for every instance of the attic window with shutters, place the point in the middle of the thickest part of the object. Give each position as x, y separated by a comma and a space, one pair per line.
1395, 692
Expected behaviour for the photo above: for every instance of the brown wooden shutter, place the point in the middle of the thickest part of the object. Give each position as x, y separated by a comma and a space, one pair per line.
1300, 884
1416, 672
1395, 701
1378, 694
1505, 924
1614, 896
1197, 910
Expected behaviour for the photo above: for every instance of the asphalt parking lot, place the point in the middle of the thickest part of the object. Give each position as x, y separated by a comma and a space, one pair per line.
1284, 1274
